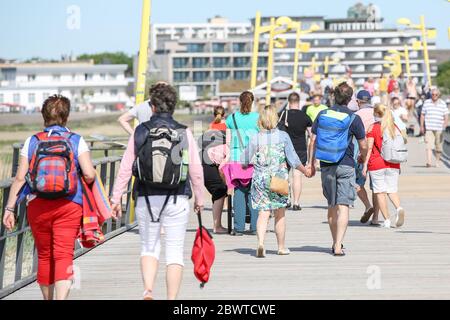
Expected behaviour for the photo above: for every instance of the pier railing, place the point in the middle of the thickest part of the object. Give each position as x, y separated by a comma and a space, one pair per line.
18, 256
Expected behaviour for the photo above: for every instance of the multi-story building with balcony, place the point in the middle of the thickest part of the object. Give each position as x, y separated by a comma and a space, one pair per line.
102, 87
359, 46
201, 55
204, 58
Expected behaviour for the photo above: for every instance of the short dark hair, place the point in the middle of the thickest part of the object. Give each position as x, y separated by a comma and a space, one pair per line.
163, 98
56, 110
294, 97
343, 94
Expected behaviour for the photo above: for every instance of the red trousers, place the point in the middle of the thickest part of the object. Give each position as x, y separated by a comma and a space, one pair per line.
55, 225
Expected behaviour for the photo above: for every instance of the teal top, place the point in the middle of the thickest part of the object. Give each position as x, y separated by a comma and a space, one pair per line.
248, 127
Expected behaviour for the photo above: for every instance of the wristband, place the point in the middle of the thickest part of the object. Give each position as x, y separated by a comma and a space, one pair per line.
10, 209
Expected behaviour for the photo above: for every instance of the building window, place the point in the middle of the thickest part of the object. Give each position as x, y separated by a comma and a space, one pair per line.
102, 76
74, 77
221, 62
180, 76
221, 75
195, 47
199, 62
239, 47
16, 98
200, 76
88, 76
262, 61
241, 75
180, 62
2, 98
56, 77
218, 47
31, 98
240, 62
31, 77
113, 76
114, 92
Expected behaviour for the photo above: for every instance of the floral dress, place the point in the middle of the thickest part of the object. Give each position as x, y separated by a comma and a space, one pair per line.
269, 152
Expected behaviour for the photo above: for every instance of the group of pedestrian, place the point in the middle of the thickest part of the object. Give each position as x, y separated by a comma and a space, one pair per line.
247, 155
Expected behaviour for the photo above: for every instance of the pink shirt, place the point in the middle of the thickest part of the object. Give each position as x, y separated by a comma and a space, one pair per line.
367, 117
195, 170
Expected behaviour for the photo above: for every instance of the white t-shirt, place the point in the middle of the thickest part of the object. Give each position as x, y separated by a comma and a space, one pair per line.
82, 147
399, 112
142, 112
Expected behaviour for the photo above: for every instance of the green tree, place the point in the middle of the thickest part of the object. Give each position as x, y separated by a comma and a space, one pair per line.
443, 77
110, 58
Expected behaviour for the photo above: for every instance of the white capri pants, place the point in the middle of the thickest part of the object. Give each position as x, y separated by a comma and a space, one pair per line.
385, 180
174, 219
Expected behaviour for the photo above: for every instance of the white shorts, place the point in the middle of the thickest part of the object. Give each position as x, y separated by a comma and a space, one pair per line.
385, 180
174, 219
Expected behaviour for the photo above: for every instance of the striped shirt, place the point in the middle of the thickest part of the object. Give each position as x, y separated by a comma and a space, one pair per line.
434, 113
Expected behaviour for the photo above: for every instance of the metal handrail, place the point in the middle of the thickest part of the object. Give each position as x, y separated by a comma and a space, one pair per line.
446, 147
107, 168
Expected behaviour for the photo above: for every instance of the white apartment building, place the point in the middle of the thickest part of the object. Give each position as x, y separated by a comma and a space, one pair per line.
359, 46
88, 86
203, 55
216, 28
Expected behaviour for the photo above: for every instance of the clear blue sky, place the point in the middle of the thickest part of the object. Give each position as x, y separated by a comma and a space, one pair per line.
39, 27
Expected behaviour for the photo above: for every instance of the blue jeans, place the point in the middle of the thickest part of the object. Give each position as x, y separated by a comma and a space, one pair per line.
239, 206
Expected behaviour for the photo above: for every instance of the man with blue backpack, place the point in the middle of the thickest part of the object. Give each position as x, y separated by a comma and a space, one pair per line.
331, 143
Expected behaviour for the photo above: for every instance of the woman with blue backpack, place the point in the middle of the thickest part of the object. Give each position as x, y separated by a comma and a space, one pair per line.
387, 150
48, 177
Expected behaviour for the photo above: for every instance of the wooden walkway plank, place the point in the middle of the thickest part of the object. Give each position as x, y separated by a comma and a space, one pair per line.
413, 262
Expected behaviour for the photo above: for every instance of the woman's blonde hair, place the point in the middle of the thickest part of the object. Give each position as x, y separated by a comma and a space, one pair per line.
387, 120
268, 118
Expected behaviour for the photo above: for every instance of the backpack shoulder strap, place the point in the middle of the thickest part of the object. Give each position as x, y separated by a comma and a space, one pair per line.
352, 118
41, 135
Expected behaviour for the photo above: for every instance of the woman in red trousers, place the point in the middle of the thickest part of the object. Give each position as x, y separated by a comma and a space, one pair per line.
55, 223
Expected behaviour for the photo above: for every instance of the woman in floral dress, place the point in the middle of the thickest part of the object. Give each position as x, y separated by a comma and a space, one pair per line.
269, 152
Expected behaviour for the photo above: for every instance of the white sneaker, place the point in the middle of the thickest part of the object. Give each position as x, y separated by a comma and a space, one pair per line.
386, 224
400, 217
394, 219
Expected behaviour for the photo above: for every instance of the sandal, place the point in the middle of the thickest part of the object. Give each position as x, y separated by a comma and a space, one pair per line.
283, 252
224, 231
260, 252
148, 295
339, 254
366, 216
332, 247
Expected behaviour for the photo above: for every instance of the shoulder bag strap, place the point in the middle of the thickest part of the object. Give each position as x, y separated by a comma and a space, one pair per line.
241, 143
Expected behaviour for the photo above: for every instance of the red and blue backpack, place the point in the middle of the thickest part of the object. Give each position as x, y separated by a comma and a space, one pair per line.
53, 171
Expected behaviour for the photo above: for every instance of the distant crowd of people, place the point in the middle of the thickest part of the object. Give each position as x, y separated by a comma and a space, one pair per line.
258, 155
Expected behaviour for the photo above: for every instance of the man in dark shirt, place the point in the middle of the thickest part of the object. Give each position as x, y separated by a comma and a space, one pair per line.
338, 179
295, 122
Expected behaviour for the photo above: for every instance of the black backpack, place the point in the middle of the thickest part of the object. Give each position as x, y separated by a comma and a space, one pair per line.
162, 162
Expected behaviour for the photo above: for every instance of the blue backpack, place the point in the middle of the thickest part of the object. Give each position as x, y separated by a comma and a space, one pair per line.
332, 135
